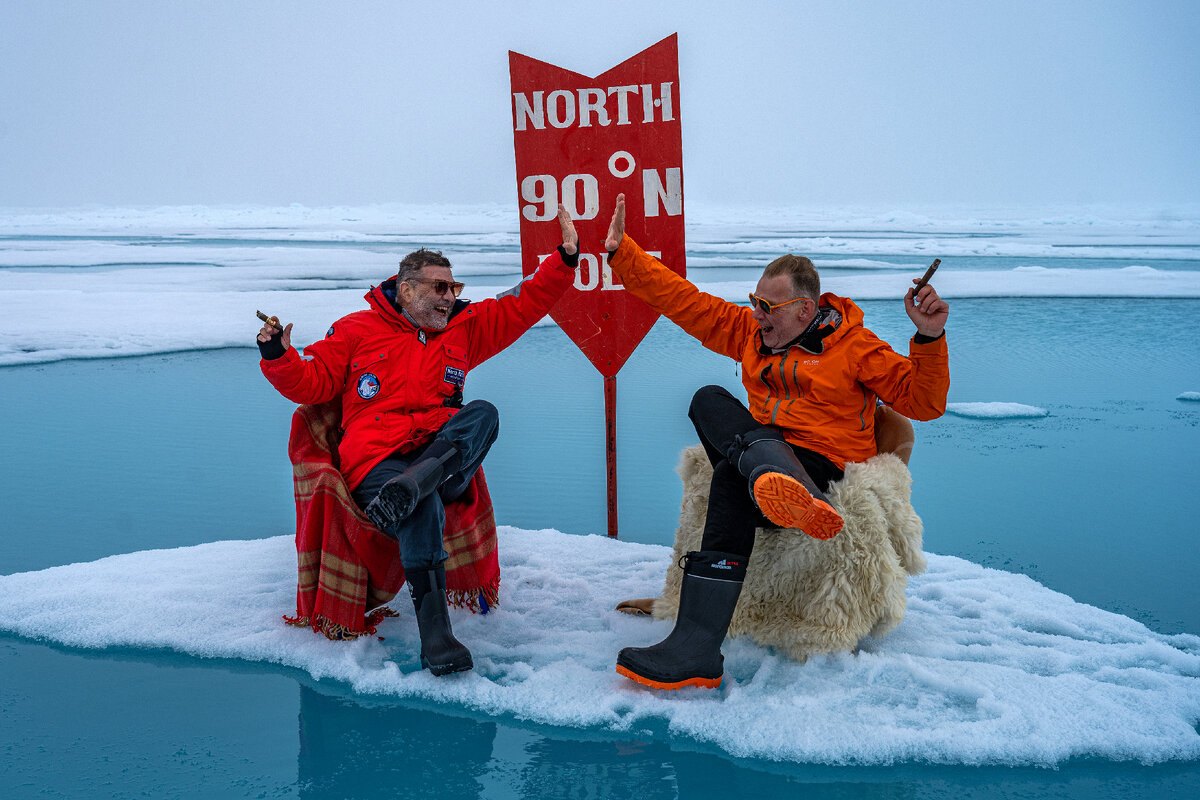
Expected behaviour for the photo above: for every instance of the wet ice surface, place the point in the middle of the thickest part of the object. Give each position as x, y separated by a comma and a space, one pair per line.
988, 667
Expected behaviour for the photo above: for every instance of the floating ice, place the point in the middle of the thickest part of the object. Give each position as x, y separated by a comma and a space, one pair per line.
1189, 396
995, 410
122, 282
988, 667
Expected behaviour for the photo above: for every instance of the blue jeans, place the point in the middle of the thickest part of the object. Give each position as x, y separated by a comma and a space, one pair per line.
472, 431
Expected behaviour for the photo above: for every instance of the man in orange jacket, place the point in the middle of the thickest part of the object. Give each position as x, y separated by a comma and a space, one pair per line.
409, 443
813, 375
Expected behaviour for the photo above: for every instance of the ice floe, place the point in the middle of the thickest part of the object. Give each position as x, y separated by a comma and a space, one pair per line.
995, 410
988, 667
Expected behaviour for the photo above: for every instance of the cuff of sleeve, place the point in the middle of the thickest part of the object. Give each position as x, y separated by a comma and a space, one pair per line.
571, 261
626, 245
272, 348
920, 338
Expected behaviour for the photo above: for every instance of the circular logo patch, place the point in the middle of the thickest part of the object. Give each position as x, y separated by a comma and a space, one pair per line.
368, 386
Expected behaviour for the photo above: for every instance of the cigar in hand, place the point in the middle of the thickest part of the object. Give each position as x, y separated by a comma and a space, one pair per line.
272, 321
924, 278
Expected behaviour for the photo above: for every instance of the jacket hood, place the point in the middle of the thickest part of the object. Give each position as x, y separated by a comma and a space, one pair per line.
848, 313
382, 299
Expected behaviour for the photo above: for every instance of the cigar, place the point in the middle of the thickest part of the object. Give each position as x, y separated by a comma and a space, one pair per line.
272, 321
925, 278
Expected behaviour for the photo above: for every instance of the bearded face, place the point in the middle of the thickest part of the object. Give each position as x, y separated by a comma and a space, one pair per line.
419, 297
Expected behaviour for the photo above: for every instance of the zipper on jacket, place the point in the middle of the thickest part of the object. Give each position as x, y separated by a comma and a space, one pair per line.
764, 376
787, 392
796, 383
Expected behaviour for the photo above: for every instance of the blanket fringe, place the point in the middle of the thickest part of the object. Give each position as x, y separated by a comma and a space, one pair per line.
477, 601
341, 633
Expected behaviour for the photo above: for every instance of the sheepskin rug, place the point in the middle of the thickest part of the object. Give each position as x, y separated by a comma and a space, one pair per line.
804, 596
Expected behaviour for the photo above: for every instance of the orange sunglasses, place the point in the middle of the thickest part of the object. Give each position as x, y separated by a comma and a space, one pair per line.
767, 306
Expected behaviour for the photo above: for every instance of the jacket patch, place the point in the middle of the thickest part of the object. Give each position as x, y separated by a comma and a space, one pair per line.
329, 332
455, 376
368, 386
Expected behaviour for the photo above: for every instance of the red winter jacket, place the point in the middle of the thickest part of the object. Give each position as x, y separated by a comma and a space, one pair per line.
400, 384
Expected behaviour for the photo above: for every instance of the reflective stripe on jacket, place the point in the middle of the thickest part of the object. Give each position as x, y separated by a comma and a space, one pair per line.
398, 383
822, 401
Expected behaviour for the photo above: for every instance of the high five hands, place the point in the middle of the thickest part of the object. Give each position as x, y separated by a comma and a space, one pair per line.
570, 239
616, 228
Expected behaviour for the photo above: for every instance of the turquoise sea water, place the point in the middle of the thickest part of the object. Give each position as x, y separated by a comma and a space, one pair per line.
114, 455
129, 454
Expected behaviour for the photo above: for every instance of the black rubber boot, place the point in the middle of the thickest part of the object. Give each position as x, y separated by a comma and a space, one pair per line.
454, 487
781, 487
691, 654
441, 653
399, 496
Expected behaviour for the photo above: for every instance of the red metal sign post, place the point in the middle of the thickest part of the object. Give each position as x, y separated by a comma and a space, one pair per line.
582, 141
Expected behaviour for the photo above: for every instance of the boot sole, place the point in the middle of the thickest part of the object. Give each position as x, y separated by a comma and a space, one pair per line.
784, 500
447, 669
702, 683
392, 505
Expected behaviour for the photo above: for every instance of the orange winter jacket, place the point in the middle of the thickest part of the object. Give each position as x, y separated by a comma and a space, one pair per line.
821, 401
399, 384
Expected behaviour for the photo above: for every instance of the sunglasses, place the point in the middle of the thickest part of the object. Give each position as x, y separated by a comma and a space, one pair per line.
441, 286
767, 306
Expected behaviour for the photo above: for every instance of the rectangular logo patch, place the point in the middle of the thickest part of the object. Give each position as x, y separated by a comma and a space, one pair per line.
455, 376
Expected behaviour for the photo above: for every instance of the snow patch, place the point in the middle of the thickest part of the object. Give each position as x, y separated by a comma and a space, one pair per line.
989, 667
995, 410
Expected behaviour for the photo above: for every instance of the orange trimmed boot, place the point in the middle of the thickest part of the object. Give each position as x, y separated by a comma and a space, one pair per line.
781, 487
691, 654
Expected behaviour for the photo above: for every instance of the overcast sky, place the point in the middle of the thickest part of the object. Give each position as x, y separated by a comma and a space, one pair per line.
154, 102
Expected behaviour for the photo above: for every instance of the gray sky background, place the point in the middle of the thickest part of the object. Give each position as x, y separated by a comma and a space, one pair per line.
154, 102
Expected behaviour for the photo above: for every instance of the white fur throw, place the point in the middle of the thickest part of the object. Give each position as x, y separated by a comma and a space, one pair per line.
804, 596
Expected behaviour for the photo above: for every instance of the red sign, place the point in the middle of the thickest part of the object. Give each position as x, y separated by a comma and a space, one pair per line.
582, 141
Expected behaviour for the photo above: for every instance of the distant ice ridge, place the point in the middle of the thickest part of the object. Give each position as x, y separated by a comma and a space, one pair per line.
127, 311
722, 222
1189, 396
995, 410
102, 282
988, 667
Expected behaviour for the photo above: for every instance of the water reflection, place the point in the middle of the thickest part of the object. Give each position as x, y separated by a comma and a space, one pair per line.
351, 750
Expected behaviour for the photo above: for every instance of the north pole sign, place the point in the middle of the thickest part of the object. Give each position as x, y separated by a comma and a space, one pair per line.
582, 141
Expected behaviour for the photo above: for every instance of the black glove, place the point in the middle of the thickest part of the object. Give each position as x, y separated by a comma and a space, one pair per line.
571, 261
272, 348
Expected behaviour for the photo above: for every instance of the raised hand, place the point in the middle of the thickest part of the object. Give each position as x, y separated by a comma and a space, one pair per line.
927, 311
616, 228
570, 238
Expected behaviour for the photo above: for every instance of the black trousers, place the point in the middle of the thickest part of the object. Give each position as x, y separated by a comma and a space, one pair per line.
732, 515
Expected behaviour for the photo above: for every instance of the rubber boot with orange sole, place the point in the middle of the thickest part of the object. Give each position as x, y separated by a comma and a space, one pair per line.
691, 653
781, 487
789, 504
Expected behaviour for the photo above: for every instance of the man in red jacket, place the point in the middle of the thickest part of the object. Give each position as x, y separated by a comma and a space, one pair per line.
409, 443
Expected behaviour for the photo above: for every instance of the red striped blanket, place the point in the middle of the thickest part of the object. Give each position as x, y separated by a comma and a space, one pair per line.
348, 570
